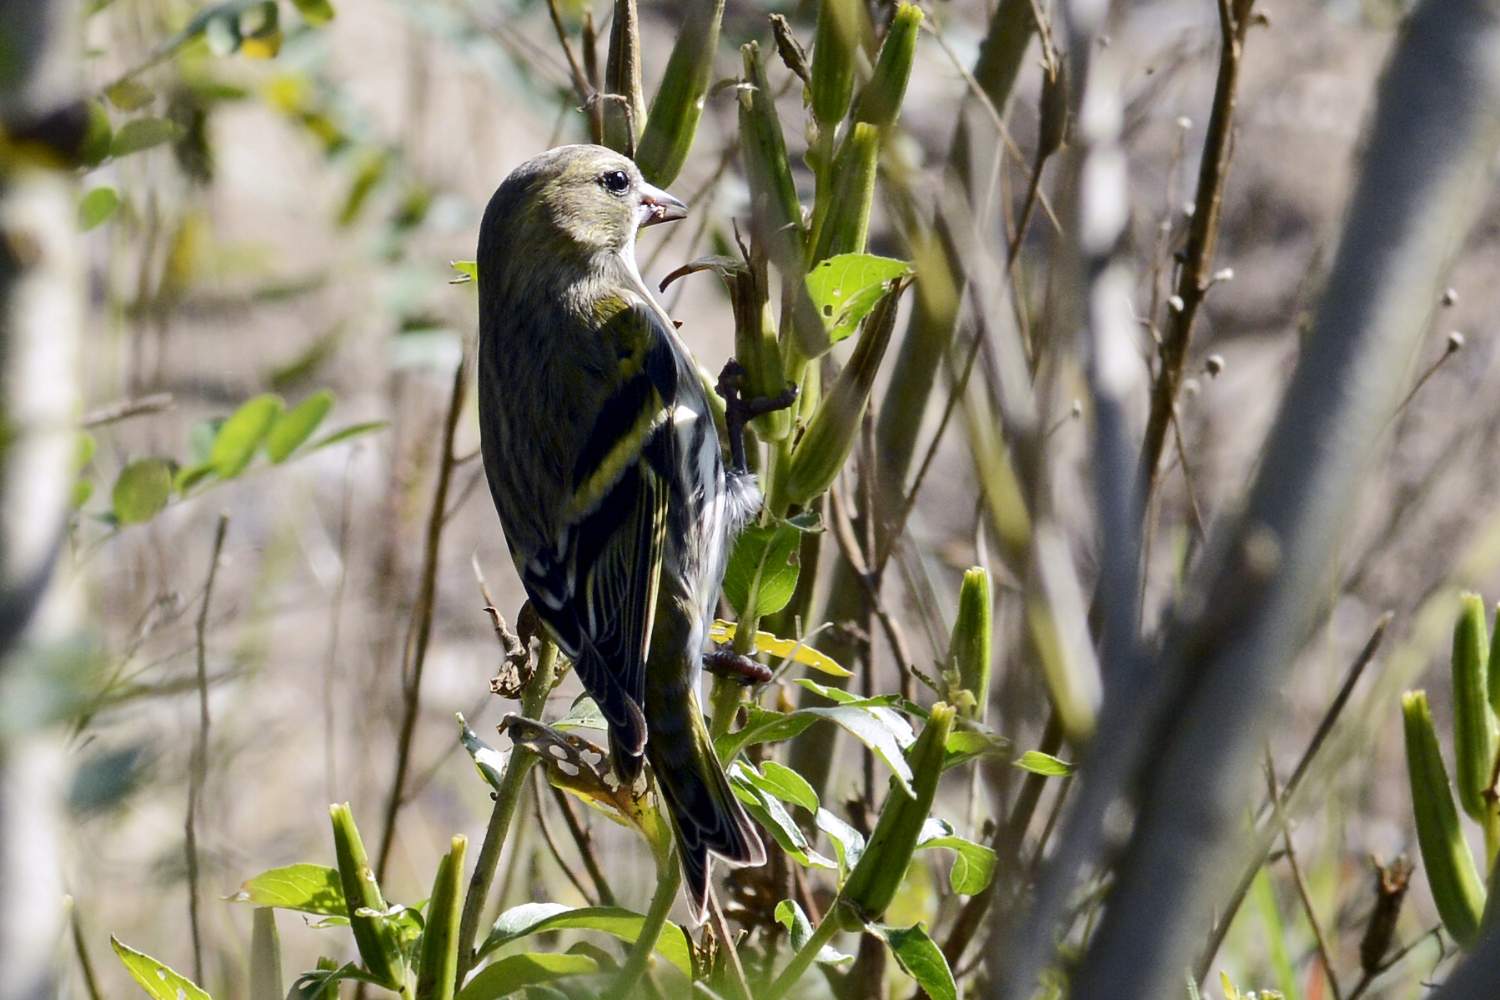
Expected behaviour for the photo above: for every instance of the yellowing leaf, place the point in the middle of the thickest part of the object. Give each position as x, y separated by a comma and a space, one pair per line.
798, 650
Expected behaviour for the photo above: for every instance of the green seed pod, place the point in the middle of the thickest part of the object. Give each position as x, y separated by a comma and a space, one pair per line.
823, 447
969, 647
845, 227
880, 102
678, 105
756, 347
834, 49
873, 883
440, 935
1493, 667
625, 107
1451, 874
773, 193
1473, 732
376, 948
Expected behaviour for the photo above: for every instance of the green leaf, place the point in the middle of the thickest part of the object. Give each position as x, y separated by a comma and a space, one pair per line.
848, 843
787, 785
314, 11
159, 980
844, 288
921, 959
293, 427
535, 918
762, 572
515, 972
789, 915
97, 206
468, 270
323, 983
965, 745
349, 433
303, 887
772, 815
1044, 764
97, 137
129, 95
490, 763
191, 476
240, 435
762, 725
973, 864
143, 133
142, 490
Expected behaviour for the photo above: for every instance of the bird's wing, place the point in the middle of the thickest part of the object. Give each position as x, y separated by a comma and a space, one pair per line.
596, 585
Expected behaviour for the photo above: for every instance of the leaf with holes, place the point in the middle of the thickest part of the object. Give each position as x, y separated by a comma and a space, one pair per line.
844, 288
160, 981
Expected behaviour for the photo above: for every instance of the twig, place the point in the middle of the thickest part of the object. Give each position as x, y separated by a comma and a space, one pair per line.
199, 770
420, 632
1455, 343
585, 844
81, 948
1325, 954
331, 660
1266, 835
587, 95
843, 532
731, 954
126, 408
541, 817
1368, 979
1195, 277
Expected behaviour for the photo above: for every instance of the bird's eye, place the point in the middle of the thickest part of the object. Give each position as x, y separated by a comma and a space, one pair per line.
615, 181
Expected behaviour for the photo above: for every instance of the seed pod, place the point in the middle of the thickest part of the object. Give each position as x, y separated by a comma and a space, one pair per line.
440, 935
1391, 883
773, 194
880, 102
625, 105
1493, 665
376, 947
673, 121
834, 49
1052, 123
791, 51
823, 447
873, 883
969, 647
1473, 728
1451, 874
846, 226
755, 345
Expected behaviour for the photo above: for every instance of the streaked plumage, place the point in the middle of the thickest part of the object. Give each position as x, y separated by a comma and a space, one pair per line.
607, 473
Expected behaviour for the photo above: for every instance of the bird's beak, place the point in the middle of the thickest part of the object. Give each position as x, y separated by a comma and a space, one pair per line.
658, 206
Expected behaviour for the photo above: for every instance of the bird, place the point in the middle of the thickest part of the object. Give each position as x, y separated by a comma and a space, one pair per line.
608, 475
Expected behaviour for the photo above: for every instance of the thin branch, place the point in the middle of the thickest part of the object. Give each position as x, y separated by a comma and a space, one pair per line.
198, 773
126, 408
552, 848
1325, 954
585, 845
420, 633
1194, 279
587, 94
731, 954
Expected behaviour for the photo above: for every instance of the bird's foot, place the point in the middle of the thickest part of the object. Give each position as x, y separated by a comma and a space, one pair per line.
739, 409
723, 661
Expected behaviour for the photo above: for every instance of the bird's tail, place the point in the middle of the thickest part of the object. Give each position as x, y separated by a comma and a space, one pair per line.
706, 816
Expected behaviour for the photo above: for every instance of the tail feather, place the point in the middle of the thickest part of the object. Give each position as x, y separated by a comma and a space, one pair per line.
706, 816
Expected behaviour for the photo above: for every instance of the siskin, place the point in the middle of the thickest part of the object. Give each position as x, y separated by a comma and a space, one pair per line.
607, 472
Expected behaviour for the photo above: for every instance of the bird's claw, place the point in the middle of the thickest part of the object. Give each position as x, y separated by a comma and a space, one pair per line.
739, 410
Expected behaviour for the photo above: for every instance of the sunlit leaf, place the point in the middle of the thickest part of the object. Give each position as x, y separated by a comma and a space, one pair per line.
844, 288
787, 785
322, 984
965, 745
159, 980
848, 843
490, 763
97, 206
303, 887
762, 572
973, 864
921, 959
515, 972
1044, 764
293, 427
143, 133
765, 642
535, 918
98, 136
142, 490
468, 270
239, 436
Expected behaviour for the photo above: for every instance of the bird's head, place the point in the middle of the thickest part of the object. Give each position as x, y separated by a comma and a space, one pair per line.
576, 202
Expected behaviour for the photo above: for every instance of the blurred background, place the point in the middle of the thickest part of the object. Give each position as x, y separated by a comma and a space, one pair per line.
294, 235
